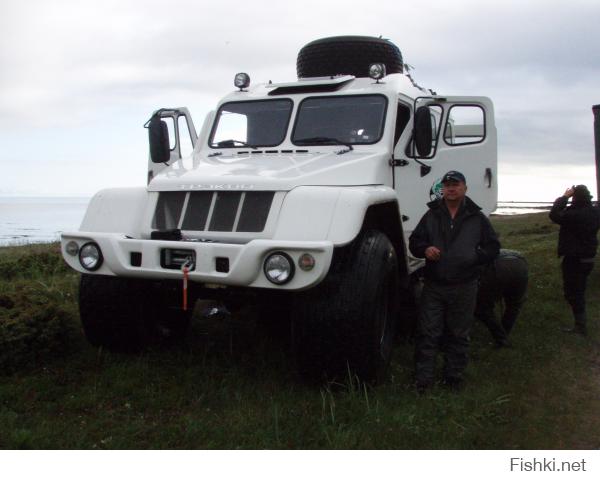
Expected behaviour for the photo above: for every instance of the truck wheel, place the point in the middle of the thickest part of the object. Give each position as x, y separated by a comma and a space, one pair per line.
274, 318
169, 325
347, 324
166, 322
125, 315
347, 55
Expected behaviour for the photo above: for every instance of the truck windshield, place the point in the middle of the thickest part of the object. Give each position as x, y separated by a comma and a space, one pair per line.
355, 119
260, 123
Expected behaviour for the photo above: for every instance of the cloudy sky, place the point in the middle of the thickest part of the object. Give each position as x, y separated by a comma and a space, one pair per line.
78, 79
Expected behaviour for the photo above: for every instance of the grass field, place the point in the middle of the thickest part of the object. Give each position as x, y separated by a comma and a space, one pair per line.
230, 387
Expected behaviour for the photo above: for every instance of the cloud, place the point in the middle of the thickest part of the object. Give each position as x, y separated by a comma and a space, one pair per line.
71, 64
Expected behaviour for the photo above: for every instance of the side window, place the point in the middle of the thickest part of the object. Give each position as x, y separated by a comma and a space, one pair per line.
434, 125
435, 114
435, 118
171, 127
185, 140
402, 119
465, 125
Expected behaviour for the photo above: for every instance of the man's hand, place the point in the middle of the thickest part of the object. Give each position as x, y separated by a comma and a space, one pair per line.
432, 254
569, 192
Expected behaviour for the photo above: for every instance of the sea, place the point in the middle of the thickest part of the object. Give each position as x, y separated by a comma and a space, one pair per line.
25, 220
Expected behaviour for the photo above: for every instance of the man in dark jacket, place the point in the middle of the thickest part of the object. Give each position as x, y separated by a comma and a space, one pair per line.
503, 280
456, 239
577, 244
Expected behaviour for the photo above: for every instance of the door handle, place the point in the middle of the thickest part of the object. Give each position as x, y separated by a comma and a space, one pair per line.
488, 177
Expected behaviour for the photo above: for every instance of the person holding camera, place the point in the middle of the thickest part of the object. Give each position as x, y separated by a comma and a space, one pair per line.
577, 244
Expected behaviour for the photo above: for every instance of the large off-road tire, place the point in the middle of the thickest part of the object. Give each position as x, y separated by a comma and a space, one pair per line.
274, 318
125, 315
170, 324
347, 55
346, 325
409, 307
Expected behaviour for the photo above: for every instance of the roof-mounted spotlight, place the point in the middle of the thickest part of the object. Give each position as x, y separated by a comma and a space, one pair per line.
377, 71
241, 80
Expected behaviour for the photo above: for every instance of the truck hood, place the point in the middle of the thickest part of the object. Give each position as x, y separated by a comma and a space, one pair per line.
273, 171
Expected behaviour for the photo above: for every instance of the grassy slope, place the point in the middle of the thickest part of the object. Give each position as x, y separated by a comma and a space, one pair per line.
230, 387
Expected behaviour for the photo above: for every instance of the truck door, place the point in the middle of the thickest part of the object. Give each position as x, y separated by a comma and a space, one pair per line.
462, 137
182, 138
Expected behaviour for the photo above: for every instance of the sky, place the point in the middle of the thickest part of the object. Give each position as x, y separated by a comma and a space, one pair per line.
78, 79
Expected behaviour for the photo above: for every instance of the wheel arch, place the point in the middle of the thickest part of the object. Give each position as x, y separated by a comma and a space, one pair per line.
386, 218
118, 210
340, 214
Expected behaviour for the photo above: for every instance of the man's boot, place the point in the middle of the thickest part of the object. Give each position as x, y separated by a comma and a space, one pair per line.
580, 325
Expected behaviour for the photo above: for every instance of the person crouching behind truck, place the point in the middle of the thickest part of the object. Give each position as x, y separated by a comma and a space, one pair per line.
456, 239
502, 280
577, 244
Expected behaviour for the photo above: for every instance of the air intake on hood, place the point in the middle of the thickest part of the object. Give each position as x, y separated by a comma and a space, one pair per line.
213, 211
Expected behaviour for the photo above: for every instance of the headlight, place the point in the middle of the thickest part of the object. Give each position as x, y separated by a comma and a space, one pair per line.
90, 256
72, 248
241, 80
377, 71
279, 268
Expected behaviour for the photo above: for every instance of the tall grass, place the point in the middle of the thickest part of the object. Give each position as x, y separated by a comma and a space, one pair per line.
230, 386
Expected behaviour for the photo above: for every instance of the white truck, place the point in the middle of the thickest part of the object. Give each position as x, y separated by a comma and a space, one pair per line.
299, 197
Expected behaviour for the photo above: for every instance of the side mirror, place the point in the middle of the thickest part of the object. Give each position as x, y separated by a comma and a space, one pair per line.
423, 131
158, 137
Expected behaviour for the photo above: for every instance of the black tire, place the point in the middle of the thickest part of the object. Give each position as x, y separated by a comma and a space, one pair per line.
347, 55
125, 315
409, 308
168, 323
274, 318
347, 324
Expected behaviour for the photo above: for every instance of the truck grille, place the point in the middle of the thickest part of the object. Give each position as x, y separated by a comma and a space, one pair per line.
213, 211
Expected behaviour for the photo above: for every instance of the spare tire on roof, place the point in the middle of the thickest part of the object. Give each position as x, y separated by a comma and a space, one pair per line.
347, 55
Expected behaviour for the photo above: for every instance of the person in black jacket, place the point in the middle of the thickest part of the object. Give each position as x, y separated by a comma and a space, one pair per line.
456, 239
577, 244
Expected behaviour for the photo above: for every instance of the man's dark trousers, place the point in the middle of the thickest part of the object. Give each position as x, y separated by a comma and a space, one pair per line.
445, 320
575, 273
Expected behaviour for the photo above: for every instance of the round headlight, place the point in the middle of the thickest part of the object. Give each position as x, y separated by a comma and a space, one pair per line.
377, 71
241, 80
279, 268
72, 248
90, 256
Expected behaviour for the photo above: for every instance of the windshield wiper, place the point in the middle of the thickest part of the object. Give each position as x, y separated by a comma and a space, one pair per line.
230, 143
326, 141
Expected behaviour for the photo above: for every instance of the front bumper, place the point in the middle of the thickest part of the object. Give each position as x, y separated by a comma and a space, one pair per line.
245, 260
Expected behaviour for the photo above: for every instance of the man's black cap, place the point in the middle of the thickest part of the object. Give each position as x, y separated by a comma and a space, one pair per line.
453, 176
